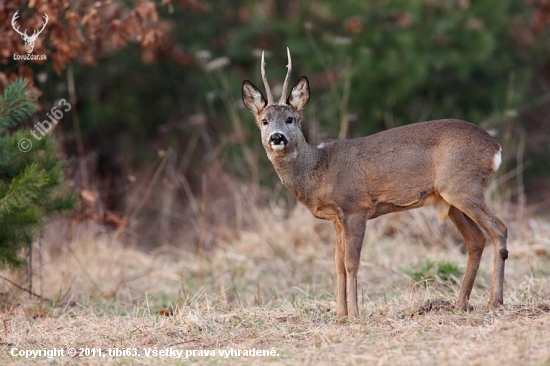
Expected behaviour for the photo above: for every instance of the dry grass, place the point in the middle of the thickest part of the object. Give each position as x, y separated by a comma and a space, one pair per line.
273, 286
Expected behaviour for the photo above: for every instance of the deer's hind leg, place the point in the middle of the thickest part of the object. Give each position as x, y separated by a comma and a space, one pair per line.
475, 243
474, 206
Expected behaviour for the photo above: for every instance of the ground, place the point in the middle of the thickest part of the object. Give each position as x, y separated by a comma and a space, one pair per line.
270, 290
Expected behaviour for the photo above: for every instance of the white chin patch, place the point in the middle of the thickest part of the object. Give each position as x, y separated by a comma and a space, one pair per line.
277, 147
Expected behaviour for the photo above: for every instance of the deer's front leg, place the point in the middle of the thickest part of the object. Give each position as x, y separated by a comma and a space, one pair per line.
340, 256
354, 232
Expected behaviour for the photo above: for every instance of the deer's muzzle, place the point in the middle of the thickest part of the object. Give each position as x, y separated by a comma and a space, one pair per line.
278, 140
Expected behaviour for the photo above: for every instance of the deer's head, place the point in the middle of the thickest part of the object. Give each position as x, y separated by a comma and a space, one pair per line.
279, 123
29, 40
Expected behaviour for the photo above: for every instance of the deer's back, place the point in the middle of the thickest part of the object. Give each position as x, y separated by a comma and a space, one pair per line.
402, 166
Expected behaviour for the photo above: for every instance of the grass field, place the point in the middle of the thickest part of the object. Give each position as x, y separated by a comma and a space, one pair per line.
271, 288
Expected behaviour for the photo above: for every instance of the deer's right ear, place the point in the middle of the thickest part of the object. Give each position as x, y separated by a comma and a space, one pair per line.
253, 98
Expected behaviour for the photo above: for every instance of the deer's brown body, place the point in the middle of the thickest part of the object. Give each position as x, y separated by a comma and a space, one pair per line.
446, 163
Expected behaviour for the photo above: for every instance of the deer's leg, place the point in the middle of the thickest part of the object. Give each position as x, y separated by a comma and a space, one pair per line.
478, 211
354, 230
339, 256
475, 242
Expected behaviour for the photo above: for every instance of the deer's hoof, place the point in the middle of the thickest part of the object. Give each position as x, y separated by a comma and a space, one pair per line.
495, 303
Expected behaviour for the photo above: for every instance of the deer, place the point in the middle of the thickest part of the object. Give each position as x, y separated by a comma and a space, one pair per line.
444, 163
29, 40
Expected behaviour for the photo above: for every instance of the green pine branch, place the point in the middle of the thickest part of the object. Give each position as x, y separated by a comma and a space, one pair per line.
17, 102
32, 189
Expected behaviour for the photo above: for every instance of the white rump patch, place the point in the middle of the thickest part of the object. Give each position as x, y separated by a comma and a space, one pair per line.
497, 159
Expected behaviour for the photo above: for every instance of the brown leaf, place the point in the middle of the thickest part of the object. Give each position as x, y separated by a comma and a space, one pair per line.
165, 312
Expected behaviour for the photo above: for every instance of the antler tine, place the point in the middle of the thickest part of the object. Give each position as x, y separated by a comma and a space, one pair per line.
285, 84
13, 19
15, 16
37, 32
45, 22
266, 84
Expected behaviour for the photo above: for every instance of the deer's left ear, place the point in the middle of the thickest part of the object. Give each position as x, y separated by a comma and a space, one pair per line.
299, 95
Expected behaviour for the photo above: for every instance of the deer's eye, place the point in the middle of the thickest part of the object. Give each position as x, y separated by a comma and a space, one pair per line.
264, 122
289, 120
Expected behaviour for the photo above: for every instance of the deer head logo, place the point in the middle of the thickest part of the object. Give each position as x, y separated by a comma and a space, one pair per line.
29, 40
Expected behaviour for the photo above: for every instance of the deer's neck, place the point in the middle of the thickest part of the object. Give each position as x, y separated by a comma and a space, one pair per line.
299, 171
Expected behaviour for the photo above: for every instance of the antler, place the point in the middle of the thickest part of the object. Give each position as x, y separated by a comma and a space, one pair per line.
266, 84
15, 16
35, 35
285, 85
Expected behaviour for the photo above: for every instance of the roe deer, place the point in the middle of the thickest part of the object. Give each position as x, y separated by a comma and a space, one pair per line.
446, 163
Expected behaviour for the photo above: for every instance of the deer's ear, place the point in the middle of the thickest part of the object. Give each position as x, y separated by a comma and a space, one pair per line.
299, 95
253, 98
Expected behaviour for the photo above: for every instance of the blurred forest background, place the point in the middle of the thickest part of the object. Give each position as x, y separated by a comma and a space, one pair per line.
161, 149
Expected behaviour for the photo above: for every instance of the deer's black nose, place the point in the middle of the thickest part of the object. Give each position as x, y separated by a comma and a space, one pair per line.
278, 139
